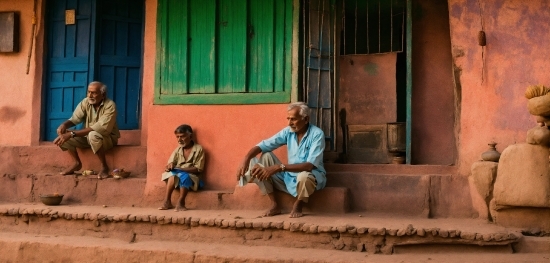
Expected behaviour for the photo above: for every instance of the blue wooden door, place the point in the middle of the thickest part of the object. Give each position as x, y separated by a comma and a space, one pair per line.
104, 44
68, 61
119, 56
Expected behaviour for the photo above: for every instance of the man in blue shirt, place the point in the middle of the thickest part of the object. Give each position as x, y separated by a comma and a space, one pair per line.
304, 172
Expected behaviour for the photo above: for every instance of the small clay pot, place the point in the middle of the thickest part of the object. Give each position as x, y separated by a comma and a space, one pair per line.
398, 160
491, 155
52, 199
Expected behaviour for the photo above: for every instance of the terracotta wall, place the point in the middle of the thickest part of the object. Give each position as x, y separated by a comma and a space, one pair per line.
493, 79
226, 132
366, 96
21, 93
367, 88
433, 92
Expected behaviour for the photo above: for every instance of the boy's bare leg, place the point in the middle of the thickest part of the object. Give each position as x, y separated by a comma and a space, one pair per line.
296, 209
168, 198
77, 163
181, 200
275, 209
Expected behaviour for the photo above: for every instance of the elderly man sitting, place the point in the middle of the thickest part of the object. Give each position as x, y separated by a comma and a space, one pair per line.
302, 175
100, 131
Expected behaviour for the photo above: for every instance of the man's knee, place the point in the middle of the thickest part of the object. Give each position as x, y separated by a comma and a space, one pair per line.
95, 137
303, 177
267, 156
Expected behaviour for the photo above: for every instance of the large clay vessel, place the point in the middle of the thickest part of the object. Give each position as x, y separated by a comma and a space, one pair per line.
491, 155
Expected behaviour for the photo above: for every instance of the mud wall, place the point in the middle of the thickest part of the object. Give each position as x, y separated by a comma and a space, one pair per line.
21, 93
433, 94
366, 96
493, 78
226, 132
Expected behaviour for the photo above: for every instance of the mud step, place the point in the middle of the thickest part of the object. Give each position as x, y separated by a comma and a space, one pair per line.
531, 244
350, 232
88, 190
426, 195
22, 247
50, 159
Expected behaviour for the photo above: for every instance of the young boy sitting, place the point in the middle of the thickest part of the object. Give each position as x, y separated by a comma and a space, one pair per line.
184, 168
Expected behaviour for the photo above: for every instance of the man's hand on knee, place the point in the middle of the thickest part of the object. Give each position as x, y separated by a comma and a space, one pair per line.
61, 139
264, 173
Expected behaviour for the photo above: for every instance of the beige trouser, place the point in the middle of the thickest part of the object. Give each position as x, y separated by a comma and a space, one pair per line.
94, 140
306, 181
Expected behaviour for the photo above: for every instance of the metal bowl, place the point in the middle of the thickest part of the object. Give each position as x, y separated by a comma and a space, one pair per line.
51, 199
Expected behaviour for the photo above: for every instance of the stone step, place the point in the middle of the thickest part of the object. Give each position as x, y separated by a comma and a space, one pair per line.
23, 247
349, 232
412, 195
49, 159
87, 190
426, 195
532, 244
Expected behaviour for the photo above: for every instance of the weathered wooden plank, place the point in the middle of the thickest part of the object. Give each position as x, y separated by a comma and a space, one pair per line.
202, 46
409, 80
279, 55
229, 98
175, 61
261, 46
232, 46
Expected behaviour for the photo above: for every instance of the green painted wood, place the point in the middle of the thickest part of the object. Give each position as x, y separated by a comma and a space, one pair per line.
409, 80
160, 86
202, 43
261, 46
208, 50
288, 43
279, 48
176, 47
230, 98
232, 46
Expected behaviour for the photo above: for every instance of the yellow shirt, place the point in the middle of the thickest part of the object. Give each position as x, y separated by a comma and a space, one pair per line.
196, 158
102, 121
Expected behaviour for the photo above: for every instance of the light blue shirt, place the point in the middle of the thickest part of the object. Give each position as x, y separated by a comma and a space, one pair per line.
309, 150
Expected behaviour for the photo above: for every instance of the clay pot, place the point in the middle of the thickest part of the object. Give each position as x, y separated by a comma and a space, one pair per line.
491, 155
51, 199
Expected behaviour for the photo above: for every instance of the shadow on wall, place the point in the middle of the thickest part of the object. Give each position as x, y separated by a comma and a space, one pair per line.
10, 114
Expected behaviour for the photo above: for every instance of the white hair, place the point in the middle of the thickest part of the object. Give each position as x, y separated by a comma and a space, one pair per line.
304, 109
102, 87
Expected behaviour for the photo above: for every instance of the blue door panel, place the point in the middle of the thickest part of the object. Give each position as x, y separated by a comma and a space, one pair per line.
67, 61
120, 56
105, 44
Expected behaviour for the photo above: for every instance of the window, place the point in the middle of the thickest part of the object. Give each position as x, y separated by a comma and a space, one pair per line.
223, 51
372, 26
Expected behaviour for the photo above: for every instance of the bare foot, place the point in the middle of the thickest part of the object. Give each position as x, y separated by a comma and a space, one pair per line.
76, 167
296, 210
103, 175
272, 212
166, 206
180, 208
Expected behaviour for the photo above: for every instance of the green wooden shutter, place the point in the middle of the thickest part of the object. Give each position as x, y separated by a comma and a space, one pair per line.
202, 40
232, 46
223, 51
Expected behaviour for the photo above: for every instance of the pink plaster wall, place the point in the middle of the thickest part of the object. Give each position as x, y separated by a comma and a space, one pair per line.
367, 88
516, 56
226, 132
21, 93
